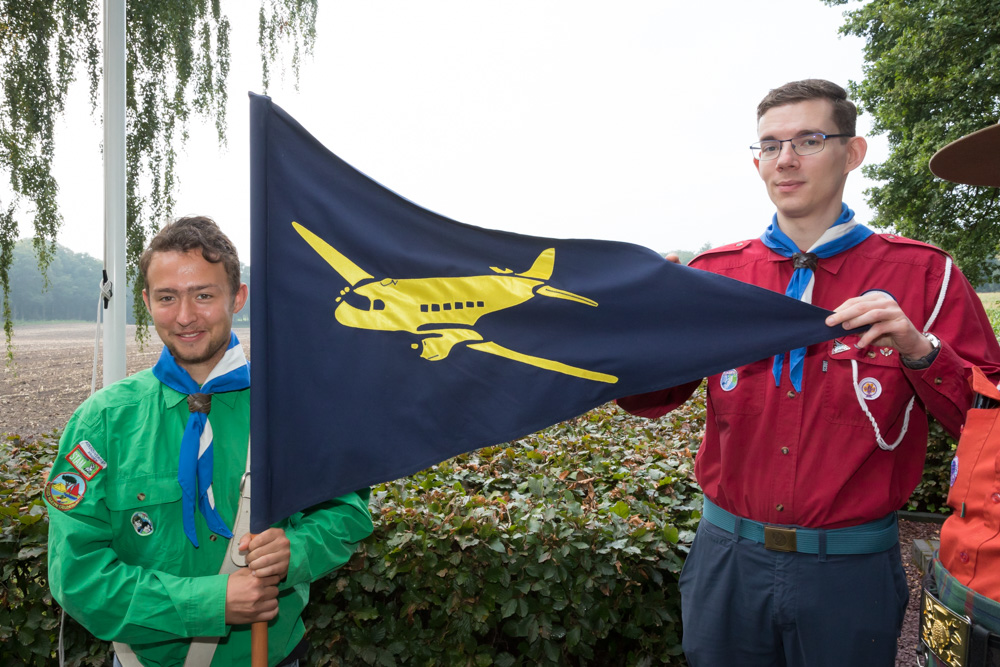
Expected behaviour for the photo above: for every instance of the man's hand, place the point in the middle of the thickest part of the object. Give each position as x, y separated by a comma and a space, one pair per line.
249, 598
269, 553
889, 325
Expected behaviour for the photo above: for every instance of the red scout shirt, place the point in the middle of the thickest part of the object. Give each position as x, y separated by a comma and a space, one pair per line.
811, 459
970, 538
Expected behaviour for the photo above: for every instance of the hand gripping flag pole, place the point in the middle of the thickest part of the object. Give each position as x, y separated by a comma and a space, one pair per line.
258, 630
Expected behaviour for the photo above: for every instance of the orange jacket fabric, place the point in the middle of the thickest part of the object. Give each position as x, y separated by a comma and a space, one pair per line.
970, 537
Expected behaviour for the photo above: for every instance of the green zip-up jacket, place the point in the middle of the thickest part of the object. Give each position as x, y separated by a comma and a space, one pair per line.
119, 562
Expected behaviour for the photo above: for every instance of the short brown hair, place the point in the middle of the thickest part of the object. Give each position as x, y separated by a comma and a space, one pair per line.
192, 233
845, 114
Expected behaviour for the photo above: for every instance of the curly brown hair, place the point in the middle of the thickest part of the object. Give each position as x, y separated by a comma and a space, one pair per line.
191, 233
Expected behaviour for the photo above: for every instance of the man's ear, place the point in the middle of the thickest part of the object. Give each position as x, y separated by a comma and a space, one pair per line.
240, 298
857, 148
145, 300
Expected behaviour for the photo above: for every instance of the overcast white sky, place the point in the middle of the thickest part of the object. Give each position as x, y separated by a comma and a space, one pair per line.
626, 120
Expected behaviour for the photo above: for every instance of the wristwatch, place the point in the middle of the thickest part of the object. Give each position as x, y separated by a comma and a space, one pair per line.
926, 360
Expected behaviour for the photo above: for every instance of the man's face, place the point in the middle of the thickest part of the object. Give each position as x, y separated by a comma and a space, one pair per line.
810, 185
192, 308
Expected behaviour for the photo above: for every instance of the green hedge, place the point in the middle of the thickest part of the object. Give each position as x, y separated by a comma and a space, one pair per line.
932, 491
29, 619
561, 549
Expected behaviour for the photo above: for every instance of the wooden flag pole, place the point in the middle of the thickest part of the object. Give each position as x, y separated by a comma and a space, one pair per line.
258, 644
258, 640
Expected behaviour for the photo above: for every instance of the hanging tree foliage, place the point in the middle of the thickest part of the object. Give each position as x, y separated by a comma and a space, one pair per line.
177, 65
930, 77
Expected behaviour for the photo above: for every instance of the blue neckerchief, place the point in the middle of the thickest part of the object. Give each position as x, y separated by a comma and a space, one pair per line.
194, 474
835, 240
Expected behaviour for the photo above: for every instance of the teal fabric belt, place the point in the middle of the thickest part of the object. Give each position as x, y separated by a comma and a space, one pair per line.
867, 538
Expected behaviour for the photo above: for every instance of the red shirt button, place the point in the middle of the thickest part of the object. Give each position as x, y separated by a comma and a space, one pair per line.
963, 556
995, 497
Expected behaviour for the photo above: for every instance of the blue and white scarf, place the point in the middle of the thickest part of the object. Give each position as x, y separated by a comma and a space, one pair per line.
844, 234
232, 373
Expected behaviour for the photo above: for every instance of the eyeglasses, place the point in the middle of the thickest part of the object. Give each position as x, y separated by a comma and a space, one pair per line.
807, 144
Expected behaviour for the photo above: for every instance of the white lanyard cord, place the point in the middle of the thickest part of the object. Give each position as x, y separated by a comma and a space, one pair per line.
906, 418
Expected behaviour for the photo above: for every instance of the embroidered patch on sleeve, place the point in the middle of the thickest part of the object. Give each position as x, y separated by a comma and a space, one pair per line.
65, 491
86, 460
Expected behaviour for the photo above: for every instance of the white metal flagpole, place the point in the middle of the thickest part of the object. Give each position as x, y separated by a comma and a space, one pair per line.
114, 190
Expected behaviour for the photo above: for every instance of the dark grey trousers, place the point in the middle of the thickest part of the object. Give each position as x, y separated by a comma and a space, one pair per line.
747, 606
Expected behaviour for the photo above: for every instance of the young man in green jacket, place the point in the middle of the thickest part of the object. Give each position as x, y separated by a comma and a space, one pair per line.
144, 492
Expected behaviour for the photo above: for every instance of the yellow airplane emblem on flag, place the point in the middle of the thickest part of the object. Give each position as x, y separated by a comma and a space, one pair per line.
444, 310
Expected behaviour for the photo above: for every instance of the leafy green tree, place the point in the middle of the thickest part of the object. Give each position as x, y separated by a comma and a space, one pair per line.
930, 77
177, 64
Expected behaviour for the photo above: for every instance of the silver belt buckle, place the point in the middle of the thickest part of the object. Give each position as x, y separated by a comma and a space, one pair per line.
779, 539
943, 632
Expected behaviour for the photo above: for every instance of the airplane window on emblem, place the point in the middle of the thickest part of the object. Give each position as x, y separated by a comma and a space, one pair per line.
435, 307
378, 304
424, 308
447, 306
469, 304
480, 304
359, 301
458, 305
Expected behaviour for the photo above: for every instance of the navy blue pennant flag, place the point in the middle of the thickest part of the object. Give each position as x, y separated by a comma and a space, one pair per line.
388, 338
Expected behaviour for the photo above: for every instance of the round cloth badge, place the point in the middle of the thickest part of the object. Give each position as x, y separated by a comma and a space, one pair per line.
954, 471
728, 380
870, 389
65, 490
143, 526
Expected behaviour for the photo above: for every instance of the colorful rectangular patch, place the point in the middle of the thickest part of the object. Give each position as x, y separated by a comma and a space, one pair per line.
86, 460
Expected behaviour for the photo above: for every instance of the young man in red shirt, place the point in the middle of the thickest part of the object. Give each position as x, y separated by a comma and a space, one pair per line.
807, 456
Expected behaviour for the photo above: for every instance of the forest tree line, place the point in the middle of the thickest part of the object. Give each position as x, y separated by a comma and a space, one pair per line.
74, 286
75, 279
